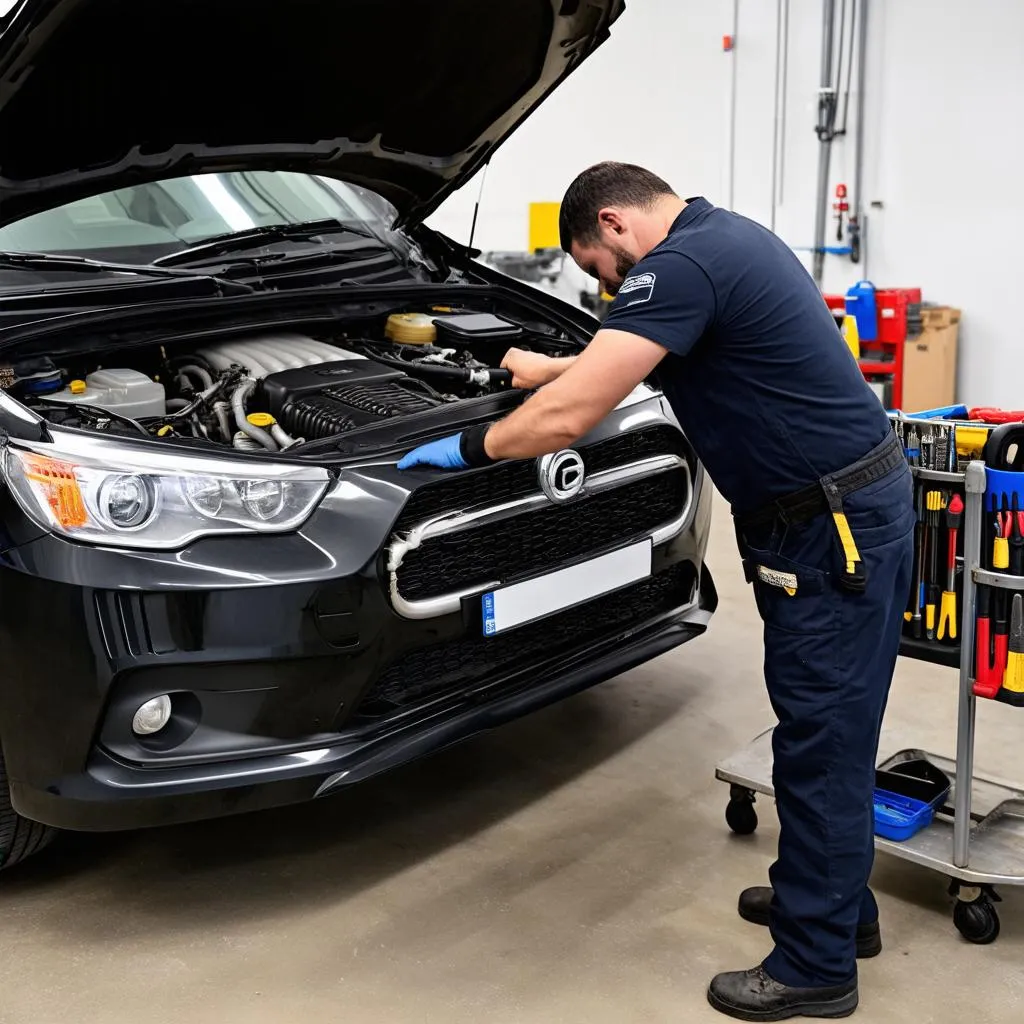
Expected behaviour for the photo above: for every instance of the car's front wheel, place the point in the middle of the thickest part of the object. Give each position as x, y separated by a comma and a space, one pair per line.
19, 837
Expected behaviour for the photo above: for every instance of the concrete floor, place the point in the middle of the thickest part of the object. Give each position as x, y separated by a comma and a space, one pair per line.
573, 867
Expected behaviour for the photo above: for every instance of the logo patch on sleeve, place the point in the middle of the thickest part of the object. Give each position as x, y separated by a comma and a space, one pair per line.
637, 289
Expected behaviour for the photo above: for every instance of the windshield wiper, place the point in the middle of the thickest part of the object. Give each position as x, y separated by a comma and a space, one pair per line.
84, 265
241, 240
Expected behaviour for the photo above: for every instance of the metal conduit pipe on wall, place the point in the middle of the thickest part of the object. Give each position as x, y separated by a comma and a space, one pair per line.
826, 121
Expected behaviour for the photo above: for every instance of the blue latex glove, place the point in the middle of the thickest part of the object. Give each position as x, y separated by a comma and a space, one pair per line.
445, 454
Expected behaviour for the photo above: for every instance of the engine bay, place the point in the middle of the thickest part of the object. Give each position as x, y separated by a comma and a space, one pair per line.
278, 391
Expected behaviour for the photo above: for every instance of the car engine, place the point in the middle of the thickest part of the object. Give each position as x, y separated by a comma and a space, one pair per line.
276, 391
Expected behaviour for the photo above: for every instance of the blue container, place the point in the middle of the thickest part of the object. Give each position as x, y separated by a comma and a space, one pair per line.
1003, 485
900, 817
860, 304
907, 795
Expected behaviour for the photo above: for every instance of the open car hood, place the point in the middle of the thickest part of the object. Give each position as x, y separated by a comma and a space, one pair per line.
405, 97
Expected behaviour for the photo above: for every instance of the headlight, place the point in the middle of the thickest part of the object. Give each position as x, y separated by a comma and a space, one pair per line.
105, 492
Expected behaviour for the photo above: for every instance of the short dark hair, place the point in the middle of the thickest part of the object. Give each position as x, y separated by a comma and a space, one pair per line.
605, 184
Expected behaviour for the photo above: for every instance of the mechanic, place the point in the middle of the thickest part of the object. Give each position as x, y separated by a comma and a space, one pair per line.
731, 326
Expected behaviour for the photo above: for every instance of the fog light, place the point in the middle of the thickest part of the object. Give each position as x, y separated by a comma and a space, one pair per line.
152, 716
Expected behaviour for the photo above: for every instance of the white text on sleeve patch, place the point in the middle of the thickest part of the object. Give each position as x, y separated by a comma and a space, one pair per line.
637, 289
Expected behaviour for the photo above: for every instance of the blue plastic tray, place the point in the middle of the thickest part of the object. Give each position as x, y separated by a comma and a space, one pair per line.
900, 817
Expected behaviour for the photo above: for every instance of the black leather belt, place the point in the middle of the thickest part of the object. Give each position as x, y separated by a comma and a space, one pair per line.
827, 496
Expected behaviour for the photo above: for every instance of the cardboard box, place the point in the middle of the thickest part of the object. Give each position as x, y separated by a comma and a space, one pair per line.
929, 360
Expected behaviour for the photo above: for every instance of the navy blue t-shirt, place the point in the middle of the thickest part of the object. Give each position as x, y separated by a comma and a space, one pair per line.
757, 372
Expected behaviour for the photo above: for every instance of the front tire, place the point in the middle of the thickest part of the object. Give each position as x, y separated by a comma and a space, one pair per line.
19, 837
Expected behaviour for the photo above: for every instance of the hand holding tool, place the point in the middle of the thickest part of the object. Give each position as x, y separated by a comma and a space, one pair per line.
947, 616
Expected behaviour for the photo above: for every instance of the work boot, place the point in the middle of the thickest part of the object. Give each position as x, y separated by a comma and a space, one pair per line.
754, 904
756, 995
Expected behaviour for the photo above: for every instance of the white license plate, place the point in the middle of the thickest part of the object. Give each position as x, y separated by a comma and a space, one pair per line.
533, 599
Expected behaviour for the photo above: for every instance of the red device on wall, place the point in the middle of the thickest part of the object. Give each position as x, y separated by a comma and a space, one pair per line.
841, 207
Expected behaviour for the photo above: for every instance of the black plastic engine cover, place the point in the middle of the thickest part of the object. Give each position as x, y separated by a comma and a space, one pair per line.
332, 398
287, 385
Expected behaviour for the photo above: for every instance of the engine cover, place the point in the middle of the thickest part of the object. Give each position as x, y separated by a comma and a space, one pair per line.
331, 398
270, 353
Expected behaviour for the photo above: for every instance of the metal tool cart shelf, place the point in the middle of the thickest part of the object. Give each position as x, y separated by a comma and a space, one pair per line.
977, 837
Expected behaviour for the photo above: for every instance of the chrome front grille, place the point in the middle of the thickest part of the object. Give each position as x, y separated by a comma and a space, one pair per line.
479, 544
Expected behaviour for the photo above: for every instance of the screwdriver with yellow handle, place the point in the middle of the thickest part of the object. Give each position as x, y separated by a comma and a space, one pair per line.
1014, 679
935, 501
1000, 563
947, 613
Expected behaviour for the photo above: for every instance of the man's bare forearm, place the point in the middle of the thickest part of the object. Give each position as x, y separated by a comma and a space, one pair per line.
567, 406
560, 365
544, 423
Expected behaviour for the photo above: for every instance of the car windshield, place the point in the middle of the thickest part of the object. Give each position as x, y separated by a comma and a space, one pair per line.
144, 222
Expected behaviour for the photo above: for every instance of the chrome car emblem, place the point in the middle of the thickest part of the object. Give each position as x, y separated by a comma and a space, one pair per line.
561, 475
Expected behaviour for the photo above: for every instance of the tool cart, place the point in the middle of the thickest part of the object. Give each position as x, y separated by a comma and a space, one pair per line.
965, 611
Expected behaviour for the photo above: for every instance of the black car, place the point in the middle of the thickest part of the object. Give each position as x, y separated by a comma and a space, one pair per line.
222, 321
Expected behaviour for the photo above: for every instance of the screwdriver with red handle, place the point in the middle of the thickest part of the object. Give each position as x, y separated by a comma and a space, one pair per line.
992, 648
985, 682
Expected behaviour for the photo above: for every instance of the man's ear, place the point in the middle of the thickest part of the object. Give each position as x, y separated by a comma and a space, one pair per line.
611, 219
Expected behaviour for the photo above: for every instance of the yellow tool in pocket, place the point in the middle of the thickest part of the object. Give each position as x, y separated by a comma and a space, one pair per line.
786, 581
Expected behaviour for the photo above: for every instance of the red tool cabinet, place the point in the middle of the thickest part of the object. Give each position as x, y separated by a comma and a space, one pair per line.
883, 357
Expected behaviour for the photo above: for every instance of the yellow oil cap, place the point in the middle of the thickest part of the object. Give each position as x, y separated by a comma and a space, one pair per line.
411, 329
77, 387
164, 430
261, 419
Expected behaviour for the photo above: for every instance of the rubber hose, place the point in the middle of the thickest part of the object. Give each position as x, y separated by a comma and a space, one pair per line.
177, 404
258, 434
199, 372
281, 436
223, 413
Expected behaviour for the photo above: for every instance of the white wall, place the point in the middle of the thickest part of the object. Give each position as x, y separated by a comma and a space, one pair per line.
943, 143
654, 94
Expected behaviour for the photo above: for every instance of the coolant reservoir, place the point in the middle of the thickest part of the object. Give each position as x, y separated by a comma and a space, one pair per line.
127, 392
411, 329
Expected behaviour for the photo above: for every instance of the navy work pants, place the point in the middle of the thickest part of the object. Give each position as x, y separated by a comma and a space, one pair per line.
829, 660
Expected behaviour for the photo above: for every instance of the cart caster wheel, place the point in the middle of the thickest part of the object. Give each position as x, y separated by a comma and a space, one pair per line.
740, 815
977, 921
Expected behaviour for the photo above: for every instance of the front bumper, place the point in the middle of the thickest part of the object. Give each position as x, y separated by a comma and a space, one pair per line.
291, 666
111, 795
